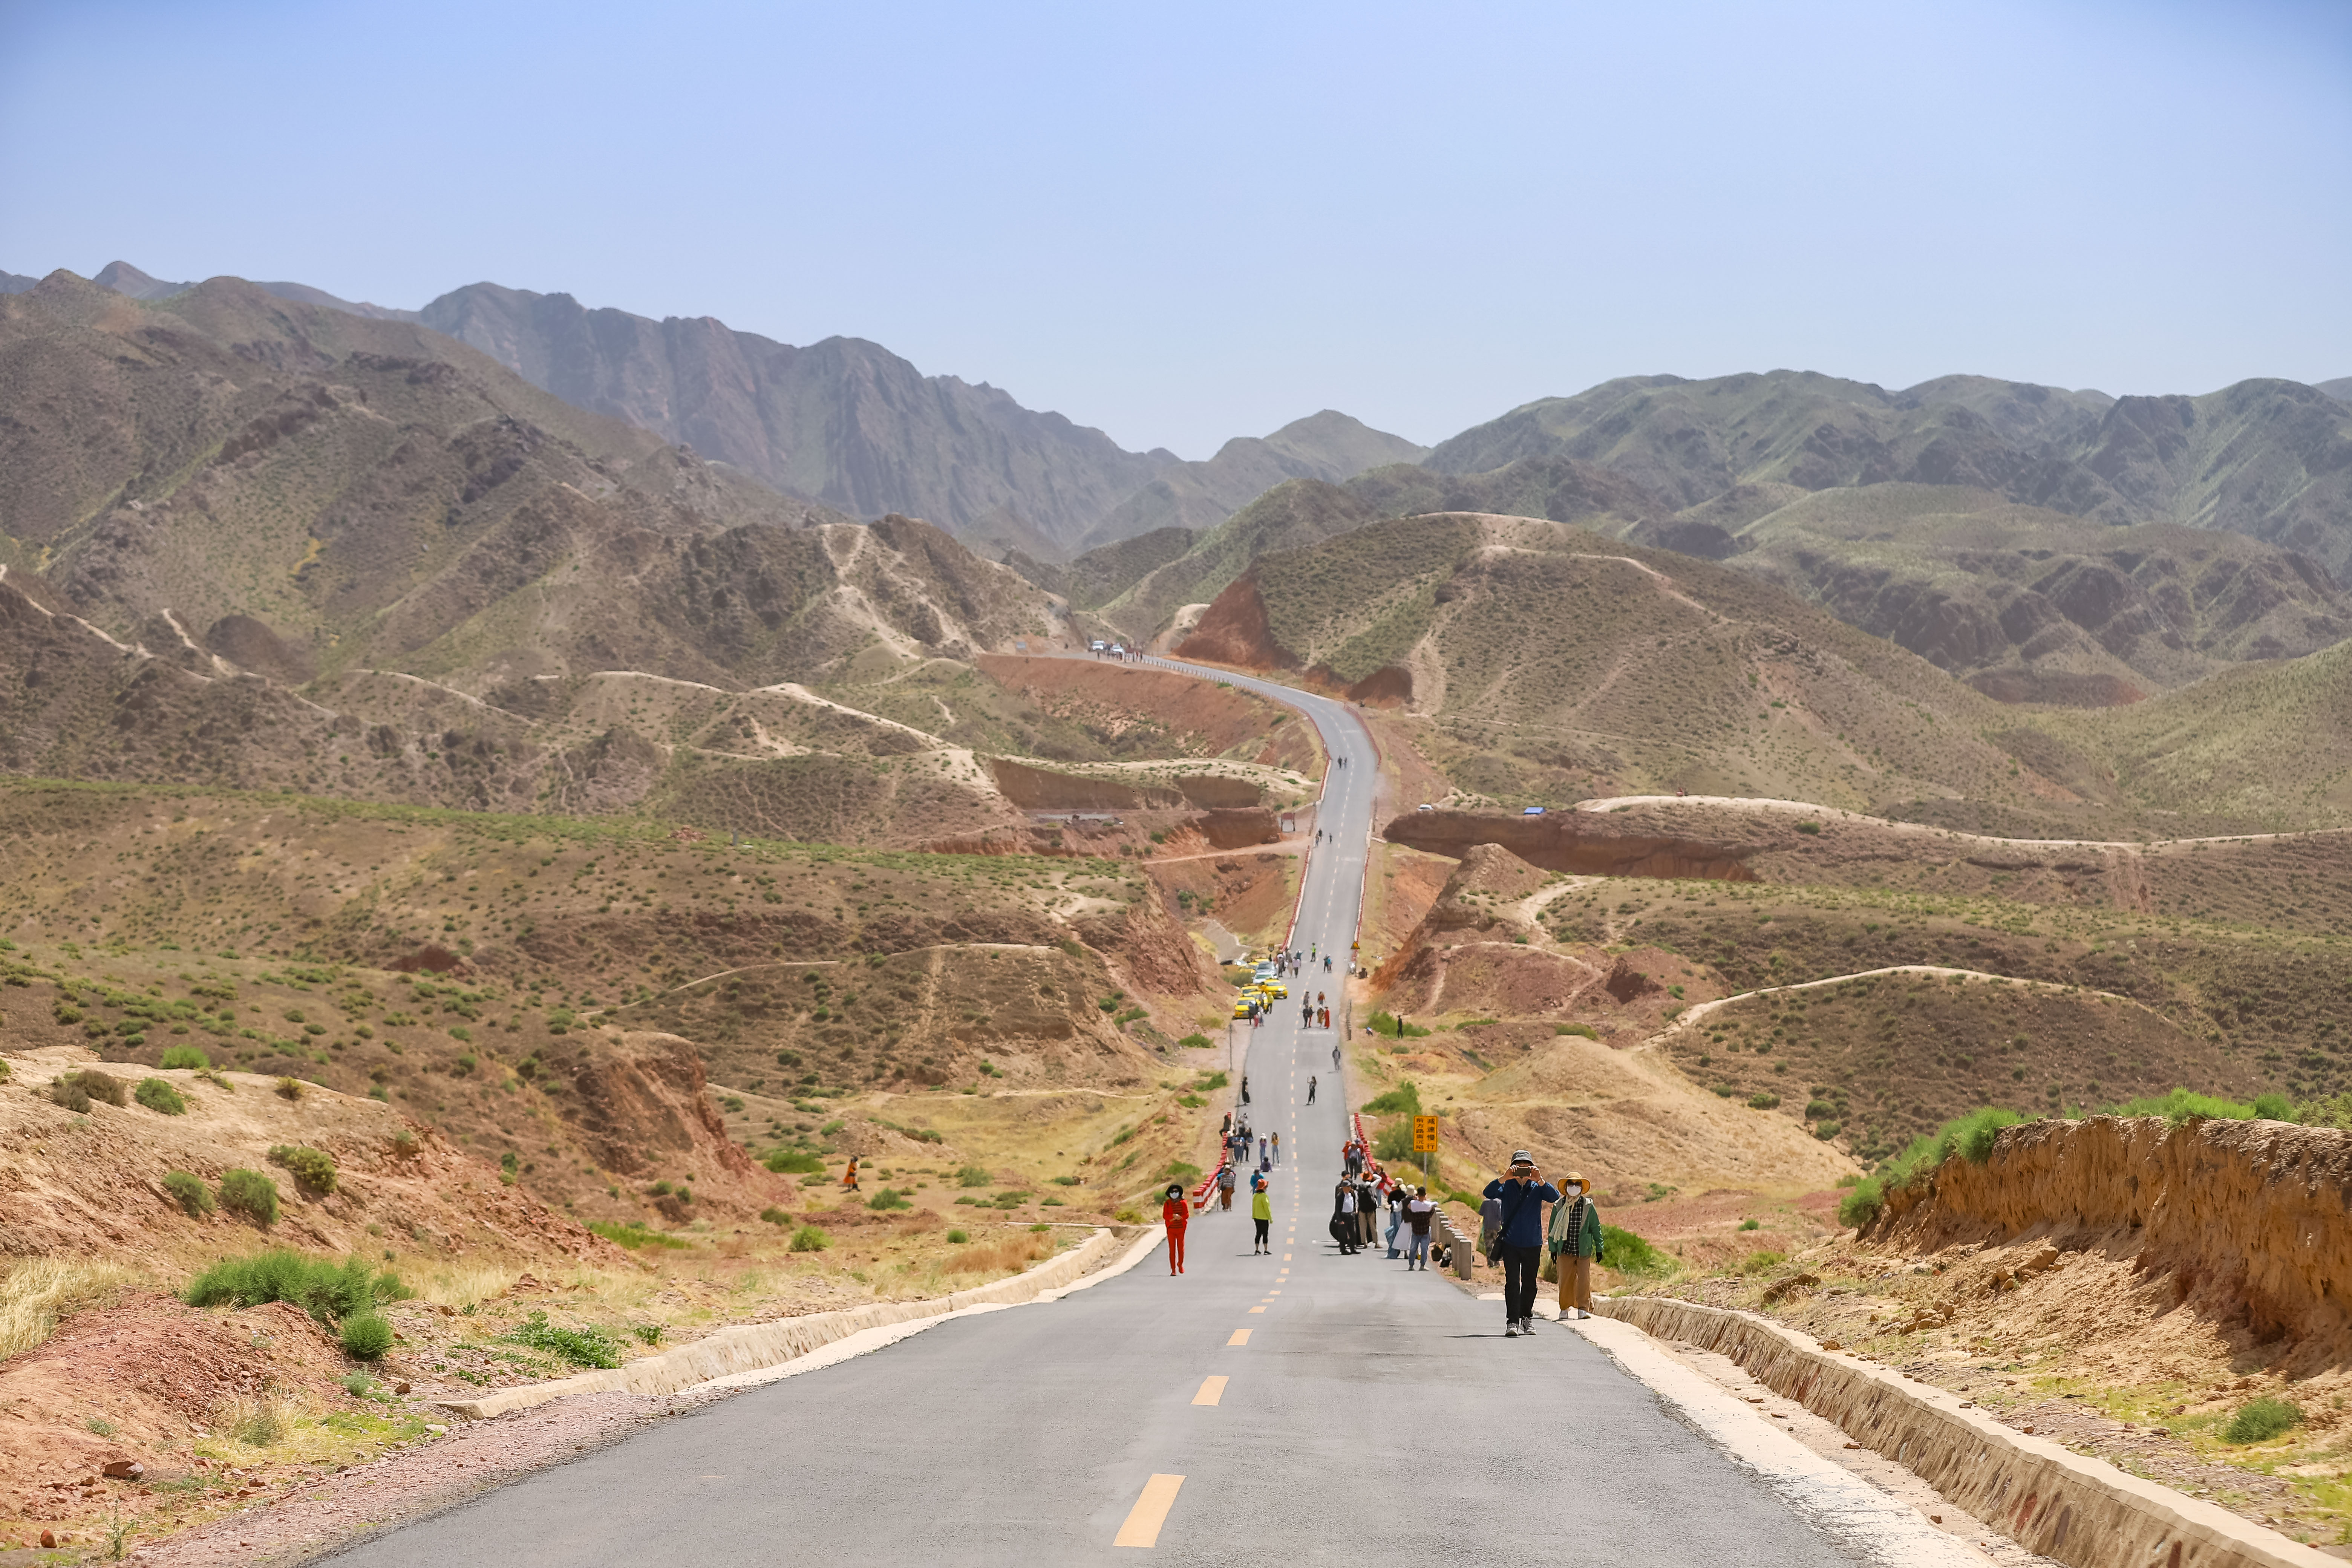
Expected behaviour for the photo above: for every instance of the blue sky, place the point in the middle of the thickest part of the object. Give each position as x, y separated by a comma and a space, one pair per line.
1183, 223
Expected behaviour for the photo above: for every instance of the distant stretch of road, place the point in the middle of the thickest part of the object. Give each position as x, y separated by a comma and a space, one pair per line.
1300, 1407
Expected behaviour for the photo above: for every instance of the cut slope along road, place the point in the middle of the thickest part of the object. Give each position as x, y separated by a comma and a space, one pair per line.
1294, 1408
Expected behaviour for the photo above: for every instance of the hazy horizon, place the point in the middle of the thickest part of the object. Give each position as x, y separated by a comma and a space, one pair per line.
1185, 226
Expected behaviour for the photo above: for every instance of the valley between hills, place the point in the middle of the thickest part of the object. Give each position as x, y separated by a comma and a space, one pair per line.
464, 748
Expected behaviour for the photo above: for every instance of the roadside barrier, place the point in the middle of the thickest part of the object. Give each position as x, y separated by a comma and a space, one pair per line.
2049, 1499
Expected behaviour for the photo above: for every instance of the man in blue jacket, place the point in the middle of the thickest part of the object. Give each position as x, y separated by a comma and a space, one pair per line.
1522, 1192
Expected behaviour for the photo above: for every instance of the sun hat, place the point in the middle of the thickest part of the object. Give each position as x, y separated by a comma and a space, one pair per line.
1521, 1157
1579, 1180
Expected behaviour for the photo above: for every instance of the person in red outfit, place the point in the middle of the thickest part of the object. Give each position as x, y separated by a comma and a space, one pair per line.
1173, 1213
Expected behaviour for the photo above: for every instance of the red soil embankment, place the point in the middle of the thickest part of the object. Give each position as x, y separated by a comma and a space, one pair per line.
1575, 842
2252, 1219
1233, 631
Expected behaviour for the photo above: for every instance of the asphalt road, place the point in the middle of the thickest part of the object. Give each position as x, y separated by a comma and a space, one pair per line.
1298, 1408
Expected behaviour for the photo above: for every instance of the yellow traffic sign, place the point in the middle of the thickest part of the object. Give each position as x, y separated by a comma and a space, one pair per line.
1424, 1134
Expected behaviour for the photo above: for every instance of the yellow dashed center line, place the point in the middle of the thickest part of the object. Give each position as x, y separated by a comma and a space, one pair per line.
1241, 1337
1150, 1513
1212, 1389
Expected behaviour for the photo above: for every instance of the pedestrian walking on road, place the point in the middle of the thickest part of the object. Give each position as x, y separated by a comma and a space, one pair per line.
1326, 1017
1277, 1147
1576, 1247
1418, 1214
1173, 1213
1310, 1088
1261, 1152
1396, 1215
849, 1176
1368, 1210
1225, 1187
1343, 1216
1244, 1089
1262, 1217
1521, 1191
1335, 1059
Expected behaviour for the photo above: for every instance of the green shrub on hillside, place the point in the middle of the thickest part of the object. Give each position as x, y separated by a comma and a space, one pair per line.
1630, 1256
187, 1057
190, 1192
581, 1347
794, 1162
1389, 1024
2259, 1420
1394, 1141
2184, 1105
250, 1194
313, 1168
634, 1235
160, 1097
1861, 1203
366, 1336
327, 1291
66, 1090
809, 1239
1405, 1100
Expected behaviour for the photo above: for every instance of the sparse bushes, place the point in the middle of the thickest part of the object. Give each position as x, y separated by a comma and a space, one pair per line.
1405, 1100
972, 1176
325, 1291
1861, 1203
774, 1215
312, 1169
794, 1162
1195, 1042
161, 1097
1394, 1141
634, 1235
888, 1198
290, 1089
809, 1239
581, 1347
187, 1057
958, 1236
1586, 1030
1763, 1100
90, 1084
2259, 1420
366, 1336
190, 1192
252, 1194
66, 1090
1183, 1170
1630, 1256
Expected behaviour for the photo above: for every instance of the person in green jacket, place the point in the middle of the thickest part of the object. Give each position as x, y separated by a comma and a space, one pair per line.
1575, 1241
1262, 1214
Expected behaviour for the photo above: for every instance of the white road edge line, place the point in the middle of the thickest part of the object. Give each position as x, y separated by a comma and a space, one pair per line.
867, 1341
1835, 1501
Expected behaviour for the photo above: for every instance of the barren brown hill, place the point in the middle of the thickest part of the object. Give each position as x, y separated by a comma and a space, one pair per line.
844, 421
2031, 605
1533, 662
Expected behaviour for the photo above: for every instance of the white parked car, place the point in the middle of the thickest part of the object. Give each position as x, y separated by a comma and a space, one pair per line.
1424, 806
1098, 645
1118, 650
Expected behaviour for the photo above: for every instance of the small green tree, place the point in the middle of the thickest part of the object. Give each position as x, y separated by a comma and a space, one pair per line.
160, 1097
366, 1336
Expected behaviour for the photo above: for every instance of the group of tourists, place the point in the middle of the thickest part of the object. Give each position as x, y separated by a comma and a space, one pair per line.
1516, 1233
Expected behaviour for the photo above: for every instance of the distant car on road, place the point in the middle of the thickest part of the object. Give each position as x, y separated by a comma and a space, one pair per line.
1118, 650
1098, 645
1424, 806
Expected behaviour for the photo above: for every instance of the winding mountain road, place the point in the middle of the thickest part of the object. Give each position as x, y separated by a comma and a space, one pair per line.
1300, 1407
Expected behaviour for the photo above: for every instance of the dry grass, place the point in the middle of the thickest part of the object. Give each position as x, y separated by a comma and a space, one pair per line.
458, 1285
35, 1293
